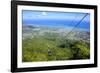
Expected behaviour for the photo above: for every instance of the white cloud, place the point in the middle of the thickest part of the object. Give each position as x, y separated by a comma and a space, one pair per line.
44, 13
38, 15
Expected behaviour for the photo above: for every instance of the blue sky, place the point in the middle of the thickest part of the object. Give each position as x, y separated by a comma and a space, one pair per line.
55, 19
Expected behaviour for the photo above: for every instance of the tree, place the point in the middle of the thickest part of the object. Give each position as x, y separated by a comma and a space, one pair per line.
80, 50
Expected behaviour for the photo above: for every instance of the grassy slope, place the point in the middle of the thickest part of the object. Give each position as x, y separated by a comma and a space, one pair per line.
36, 49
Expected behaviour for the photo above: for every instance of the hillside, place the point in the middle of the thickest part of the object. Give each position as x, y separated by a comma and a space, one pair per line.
49, 44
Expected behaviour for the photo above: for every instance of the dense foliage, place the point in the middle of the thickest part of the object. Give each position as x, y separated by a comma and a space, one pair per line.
52, 48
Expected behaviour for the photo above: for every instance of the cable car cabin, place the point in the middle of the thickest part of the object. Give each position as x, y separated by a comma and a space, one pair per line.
49, 53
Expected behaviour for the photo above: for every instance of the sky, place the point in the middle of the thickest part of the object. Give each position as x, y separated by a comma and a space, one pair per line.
55, 19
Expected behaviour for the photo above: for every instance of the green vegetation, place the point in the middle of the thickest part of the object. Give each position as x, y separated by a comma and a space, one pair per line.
50, 47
